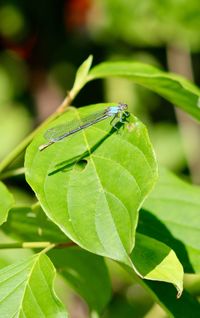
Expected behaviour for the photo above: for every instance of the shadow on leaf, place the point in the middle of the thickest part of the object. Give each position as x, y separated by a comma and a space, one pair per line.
67, 165
153, 227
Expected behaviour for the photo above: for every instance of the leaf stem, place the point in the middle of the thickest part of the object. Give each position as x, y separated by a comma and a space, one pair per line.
48, 248
35, 205
24, 245
45, 245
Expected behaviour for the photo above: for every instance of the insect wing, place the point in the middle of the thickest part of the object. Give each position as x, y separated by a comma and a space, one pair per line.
56, 133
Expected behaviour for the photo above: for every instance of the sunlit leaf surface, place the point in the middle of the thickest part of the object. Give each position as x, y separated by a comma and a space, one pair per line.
93, 183
174, 88
26, 290
86, 272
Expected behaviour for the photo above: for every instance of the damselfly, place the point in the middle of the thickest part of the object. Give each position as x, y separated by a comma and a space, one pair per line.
60, 132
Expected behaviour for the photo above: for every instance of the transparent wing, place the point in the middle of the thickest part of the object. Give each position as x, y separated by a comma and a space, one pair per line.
58, 132
54, 133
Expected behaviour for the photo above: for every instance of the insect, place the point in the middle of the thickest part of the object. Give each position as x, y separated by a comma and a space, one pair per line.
60, 132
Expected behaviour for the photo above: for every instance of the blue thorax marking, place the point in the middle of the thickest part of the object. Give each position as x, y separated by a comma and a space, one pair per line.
113, 110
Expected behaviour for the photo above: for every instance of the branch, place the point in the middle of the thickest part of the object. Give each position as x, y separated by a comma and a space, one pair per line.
22, 146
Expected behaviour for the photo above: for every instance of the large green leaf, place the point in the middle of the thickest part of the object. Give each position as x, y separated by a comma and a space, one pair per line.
172, 216
86, 273
6, 202
26, 290
172, 87
93, 183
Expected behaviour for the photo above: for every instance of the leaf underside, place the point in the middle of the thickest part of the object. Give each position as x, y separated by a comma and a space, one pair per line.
174, 88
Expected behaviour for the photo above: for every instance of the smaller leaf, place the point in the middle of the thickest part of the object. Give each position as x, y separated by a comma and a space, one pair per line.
6, 202
86, 273
81, 74
26, 290
156, 261
174, 88
172, 216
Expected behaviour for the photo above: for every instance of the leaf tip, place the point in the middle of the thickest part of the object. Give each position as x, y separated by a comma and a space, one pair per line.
90, 59
179, 293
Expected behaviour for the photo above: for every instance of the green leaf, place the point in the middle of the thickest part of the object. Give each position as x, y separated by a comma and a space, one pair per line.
172, 216
184, 307
86, 273
156, 261
6, 202
174, 88
32, 225
93, 183
26, 289
81, 75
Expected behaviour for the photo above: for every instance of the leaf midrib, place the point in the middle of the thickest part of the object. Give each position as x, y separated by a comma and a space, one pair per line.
100, 184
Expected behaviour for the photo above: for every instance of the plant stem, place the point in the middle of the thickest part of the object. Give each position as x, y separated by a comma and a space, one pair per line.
21, 147
24, 245
35, 205
45, 245
48, 248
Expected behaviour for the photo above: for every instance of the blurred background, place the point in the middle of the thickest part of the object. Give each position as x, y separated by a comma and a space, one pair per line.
42, 43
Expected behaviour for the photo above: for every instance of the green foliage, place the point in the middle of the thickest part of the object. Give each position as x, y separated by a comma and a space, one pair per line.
86, 169
156, 261
86, 273
94, 195
169, 21
26, 289
81, 76
172, 215
31, 224
185, 307
176, 89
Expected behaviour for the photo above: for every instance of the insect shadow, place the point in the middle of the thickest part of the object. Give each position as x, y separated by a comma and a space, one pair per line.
81, 160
